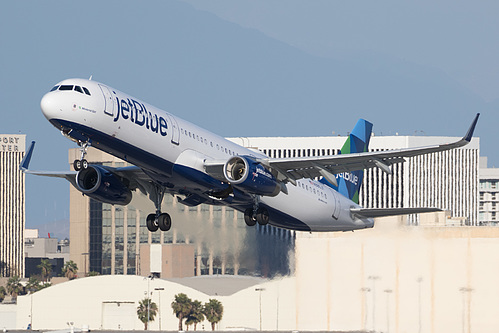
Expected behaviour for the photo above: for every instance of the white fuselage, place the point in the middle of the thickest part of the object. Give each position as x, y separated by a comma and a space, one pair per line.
158, 142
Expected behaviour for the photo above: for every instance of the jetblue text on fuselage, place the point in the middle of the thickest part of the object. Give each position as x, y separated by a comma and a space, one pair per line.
138, 114
348, 176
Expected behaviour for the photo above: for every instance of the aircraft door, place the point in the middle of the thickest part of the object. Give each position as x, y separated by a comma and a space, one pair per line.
109, 100
336, 211
175, 129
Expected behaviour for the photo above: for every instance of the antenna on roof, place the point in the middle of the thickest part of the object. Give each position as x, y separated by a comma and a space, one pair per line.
90, 79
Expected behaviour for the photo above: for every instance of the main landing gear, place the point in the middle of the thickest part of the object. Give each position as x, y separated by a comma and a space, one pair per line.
82, 163
158, 220
256, 214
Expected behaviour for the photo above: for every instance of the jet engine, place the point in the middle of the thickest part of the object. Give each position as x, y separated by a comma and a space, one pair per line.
102, 185
250, 176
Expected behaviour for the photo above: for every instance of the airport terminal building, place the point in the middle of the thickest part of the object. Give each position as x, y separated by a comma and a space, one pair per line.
12, 204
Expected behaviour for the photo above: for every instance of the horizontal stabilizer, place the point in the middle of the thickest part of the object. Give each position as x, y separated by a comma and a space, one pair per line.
382, 212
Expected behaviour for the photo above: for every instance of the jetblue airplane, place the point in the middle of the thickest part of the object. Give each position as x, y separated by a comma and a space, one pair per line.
172, 156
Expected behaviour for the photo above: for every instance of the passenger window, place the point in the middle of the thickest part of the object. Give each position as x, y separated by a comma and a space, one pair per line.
55, 88
86, 91
78, 89
65, 87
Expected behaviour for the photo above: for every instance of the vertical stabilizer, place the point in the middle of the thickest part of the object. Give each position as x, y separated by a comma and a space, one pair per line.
349, 183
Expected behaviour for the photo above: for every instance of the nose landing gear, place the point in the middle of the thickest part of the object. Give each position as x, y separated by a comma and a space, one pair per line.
82, 163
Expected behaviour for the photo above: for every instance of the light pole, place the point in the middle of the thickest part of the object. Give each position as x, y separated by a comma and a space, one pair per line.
260, 290
365, 290
464, 291
148, 300
374, 278
159, 290
85, 254
419, 280
388, 292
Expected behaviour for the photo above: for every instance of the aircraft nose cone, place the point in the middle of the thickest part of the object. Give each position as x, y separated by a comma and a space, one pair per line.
49, 106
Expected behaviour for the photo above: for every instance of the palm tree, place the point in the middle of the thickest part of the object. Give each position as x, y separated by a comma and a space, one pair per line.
3, 292
70, 270
33, 285
213, 310
45, 268
14, 286
146, 306
181, 308
196, 315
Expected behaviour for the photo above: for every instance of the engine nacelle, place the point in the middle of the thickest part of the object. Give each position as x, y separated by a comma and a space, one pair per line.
102, 185
250, 176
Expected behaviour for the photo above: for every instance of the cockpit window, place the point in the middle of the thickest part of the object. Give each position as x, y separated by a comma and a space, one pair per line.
81, 90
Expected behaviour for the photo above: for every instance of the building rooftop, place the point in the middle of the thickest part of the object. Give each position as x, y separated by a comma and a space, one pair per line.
219, 285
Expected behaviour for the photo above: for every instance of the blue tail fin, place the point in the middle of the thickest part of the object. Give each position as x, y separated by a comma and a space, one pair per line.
357, 142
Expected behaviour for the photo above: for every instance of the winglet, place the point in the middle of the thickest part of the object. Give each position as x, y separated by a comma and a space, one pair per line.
469, 134
27, 158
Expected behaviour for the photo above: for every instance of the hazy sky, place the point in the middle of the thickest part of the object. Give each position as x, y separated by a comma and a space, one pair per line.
457, 37
253, 68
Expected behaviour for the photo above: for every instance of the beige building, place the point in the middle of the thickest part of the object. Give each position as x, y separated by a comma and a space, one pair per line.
393, 278
489, 194
12, 205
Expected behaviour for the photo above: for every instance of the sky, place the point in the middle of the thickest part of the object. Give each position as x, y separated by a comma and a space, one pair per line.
253, 68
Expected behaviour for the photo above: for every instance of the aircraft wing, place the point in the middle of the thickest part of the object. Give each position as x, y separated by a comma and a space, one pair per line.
327, 166
137, 177
383, 212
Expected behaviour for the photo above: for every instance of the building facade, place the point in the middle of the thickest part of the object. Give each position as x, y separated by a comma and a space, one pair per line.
12, 205
489, 195
447, 180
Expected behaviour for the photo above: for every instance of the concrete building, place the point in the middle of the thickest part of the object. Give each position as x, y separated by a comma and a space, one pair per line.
447, 180
12, 204
489, 194
393, 278
36, 249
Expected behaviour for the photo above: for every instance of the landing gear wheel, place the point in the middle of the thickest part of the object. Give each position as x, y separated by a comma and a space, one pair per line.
151, 223
80, 164
248, 217
262, 216
164, 222
77, 165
